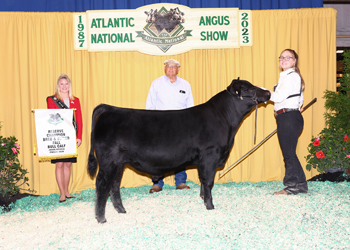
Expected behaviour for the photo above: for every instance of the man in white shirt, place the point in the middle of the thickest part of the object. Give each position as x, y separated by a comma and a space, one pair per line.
170, 92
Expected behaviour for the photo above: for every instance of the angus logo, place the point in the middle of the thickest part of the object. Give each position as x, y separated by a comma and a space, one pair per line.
164, 28
55, 119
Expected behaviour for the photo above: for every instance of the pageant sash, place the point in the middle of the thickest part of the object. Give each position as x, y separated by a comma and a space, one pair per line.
62, 105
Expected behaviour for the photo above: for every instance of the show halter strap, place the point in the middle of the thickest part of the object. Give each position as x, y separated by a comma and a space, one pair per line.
62, 105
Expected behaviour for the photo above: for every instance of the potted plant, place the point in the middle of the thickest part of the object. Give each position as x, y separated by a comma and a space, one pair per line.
330, 150
12, 175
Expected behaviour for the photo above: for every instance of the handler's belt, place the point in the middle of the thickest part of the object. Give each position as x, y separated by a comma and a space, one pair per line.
284, 111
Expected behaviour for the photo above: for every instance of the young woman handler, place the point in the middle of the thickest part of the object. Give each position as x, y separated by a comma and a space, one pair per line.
288, 98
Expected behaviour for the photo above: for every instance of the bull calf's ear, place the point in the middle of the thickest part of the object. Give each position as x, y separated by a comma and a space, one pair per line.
235, 88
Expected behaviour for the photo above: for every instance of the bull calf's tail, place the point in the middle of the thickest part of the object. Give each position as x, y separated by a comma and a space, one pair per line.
92, 162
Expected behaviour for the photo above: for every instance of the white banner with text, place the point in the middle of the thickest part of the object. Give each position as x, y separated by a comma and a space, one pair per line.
55, 134
162, 29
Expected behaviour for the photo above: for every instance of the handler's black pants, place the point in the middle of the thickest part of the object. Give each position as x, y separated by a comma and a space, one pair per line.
289, 126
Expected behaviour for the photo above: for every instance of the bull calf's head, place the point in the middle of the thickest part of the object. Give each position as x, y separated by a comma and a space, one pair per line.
245, 90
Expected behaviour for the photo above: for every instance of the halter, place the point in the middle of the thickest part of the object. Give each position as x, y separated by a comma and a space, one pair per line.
255, 99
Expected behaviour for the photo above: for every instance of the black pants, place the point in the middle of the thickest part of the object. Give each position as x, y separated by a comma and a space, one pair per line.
289, 126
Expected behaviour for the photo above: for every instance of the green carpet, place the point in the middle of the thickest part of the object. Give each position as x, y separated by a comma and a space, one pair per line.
246, 216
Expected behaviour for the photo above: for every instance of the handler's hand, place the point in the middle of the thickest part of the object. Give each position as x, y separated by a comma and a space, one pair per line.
78, 142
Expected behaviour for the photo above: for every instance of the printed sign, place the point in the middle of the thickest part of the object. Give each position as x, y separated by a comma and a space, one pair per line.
245, 25
80, 40
55, 134
162, 29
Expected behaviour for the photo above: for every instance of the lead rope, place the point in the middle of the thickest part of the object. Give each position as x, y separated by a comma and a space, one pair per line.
256, 118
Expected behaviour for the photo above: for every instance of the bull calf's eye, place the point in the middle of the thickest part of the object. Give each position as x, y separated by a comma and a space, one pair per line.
237, 92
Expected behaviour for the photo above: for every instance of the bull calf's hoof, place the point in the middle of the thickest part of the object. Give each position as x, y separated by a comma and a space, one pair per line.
101, 221
120, 208
209, 206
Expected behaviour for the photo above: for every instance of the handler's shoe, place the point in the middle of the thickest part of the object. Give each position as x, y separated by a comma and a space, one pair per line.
182, 186
155, 189
282, 192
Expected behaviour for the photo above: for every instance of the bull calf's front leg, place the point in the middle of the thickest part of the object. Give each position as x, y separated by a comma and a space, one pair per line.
208, 199
201, 194
207, 182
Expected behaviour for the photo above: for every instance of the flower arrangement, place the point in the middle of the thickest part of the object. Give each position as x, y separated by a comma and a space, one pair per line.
329, 150
12, 175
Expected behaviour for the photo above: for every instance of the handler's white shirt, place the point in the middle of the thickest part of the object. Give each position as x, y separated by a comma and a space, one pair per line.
164, 95
288, 84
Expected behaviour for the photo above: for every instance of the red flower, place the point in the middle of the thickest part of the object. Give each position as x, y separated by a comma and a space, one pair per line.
14, 151
316, 142
320, 154
346, 138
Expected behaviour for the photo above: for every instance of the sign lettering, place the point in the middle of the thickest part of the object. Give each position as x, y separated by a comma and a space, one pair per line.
162, 29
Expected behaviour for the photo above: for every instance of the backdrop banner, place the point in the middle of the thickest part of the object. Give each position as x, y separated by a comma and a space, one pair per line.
55, 134
162, 29
37, 47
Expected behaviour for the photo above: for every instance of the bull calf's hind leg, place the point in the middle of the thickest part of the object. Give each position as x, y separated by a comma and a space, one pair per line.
115, 192
102, 190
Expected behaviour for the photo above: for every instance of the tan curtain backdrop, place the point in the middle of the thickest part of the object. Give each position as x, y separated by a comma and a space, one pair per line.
36, 48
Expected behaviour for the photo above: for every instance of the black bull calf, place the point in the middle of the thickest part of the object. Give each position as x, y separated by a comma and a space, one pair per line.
158, 142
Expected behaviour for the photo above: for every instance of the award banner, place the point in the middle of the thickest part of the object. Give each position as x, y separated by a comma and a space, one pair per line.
55, 134
162, 29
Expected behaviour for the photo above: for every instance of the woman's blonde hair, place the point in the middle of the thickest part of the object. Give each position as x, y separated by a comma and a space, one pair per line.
296, 68
70, 92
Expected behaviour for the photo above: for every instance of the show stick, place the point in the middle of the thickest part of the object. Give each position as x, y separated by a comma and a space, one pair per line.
265, 139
